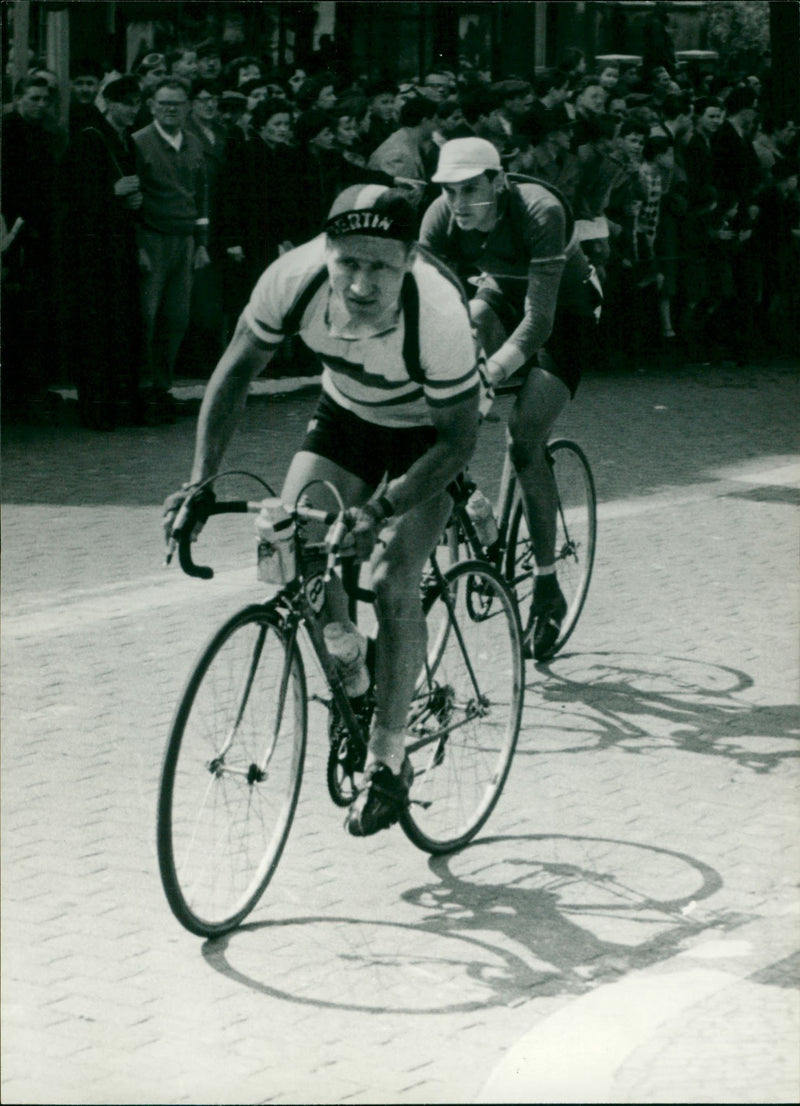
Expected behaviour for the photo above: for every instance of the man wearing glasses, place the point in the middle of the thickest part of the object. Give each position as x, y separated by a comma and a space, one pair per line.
172, 236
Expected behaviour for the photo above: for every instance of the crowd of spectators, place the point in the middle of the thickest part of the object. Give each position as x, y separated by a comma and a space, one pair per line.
133, 236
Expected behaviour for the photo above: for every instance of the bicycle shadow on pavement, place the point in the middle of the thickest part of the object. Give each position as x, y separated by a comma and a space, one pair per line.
507, 919
642, 702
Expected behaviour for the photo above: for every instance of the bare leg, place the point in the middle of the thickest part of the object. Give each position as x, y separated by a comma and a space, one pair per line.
304, 468
396, 572
537, 407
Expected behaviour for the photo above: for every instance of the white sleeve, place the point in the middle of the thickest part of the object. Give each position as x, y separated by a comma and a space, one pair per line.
447, 348
264, 314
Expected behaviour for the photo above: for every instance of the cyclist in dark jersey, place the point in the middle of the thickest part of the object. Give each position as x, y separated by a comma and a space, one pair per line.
536, 294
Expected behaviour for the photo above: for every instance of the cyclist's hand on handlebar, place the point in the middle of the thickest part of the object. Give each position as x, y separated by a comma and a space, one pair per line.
172, 510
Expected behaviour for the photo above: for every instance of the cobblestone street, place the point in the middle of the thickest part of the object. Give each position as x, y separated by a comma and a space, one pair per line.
626, 927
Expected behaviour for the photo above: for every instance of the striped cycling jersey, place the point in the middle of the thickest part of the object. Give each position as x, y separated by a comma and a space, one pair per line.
370, 376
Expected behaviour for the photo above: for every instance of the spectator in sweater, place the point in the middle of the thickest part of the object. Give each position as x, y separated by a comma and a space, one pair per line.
173, 234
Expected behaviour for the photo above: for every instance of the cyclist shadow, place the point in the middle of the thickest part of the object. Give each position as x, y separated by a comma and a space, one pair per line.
508, 919
584, 910
640, 702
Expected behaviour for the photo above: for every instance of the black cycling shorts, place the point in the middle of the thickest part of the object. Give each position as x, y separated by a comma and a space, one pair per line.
362, 448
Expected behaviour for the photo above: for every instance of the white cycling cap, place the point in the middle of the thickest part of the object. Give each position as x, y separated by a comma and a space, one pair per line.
462, 158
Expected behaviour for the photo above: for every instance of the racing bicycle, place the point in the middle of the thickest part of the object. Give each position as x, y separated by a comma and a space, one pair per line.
234, 758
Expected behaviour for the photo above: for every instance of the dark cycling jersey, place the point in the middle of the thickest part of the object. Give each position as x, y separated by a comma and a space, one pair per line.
527, 259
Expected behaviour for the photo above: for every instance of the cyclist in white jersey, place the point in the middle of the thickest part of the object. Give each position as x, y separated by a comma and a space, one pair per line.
396, 422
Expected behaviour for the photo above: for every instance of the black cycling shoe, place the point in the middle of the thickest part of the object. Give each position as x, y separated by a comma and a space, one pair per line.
545, 626
382, 800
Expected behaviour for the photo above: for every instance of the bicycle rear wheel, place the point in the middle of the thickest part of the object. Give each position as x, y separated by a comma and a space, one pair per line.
576, 532
231, 774
465, 717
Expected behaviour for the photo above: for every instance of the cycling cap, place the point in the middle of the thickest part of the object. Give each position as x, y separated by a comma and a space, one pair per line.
462, 158
372, 209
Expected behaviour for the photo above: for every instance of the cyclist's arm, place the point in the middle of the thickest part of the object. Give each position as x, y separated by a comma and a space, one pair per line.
225, 398
544, 278
456, 431
545, 241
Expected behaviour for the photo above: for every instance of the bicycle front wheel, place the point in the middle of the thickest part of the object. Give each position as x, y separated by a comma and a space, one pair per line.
466, 713
231, 773
576, 532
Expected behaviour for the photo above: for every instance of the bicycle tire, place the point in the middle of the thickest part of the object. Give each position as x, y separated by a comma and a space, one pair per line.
576, 536
222, 823
466, 714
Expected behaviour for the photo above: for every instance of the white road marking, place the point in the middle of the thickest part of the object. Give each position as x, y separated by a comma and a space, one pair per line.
573, 1055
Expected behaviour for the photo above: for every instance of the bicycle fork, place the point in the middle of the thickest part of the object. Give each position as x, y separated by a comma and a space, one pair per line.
257, 772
